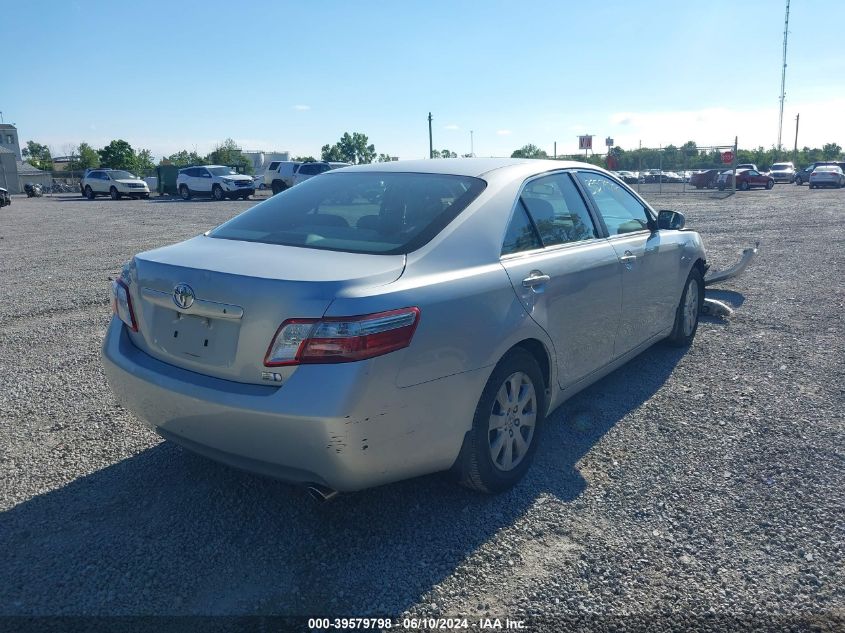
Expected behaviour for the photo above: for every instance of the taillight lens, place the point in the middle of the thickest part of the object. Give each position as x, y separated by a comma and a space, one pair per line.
122, 304
341, 339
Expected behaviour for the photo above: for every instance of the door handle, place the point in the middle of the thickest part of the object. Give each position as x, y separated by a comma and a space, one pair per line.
535, 278
628, 260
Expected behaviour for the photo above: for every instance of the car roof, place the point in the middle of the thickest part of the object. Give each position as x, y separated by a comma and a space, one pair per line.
475, 167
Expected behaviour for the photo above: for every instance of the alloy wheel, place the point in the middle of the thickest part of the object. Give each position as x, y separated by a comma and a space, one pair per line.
512, 421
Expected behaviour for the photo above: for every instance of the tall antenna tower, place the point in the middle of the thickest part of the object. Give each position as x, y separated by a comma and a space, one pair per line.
783, 75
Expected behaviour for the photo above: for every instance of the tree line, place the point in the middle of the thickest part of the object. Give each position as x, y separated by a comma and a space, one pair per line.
689, 156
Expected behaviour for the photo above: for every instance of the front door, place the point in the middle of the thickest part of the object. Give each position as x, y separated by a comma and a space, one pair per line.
565, 274
650, 260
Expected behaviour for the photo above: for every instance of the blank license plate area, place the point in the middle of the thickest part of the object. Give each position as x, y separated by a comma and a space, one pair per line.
212, 341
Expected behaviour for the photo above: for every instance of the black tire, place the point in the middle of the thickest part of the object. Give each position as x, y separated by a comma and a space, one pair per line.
811, 186
89, 193
744, 186
798, 181
217, 193
184, 192
476, 468
278, 186
113, 193
682, 334
770, 184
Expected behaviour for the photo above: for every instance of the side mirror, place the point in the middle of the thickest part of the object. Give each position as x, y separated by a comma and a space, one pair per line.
670, 220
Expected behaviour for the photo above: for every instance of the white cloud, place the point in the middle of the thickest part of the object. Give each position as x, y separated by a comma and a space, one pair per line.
451, 126
301, 107
503, 132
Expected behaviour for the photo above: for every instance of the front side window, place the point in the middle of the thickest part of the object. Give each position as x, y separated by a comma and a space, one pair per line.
620, 210
361, 212
558, 211
222, 171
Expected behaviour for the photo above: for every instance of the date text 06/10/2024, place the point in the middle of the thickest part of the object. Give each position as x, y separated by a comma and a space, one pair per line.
414, 624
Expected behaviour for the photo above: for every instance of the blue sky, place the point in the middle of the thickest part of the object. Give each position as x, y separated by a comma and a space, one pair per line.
296, 75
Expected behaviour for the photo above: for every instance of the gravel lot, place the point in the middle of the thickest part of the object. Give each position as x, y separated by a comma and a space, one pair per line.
703, 488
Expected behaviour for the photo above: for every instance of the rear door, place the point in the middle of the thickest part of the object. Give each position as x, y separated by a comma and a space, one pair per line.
565, 273
203, 180
650, 260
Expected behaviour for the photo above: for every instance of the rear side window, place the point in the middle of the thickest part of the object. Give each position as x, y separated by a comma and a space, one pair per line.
362, 212
273, 166
521, 235
558, 211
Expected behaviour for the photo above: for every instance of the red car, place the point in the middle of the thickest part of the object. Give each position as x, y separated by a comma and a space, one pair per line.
745, 180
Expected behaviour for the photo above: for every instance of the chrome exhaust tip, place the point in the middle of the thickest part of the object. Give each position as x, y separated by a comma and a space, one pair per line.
321, 493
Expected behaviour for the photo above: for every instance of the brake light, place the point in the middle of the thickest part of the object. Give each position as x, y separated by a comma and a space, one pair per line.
341, 339
122, 304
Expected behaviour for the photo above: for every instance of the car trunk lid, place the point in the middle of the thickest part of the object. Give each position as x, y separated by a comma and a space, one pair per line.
213, 305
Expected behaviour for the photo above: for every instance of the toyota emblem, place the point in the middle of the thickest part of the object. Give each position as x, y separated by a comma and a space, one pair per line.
183, 296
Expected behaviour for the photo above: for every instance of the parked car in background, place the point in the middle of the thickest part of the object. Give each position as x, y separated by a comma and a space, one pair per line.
279, 175
704, 179
309, 337
218, 181
309, 170
5, 199
782, 172
627, 177
747, 166
745, 179
827, 176
802, 176
113, 182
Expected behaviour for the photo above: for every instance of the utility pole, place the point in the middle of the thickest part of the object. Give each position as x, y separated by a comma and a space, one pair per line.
471, 145
430, 141
795, 149
555, 149
783, 76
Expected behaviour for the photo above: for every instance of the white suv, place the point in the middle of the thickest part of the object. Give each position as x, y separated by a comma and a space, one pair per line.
113, 182
215, 180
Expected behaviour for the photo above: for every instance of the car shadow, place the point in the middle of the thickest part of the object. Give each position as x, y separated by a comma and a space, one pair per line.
731, 297
179, 534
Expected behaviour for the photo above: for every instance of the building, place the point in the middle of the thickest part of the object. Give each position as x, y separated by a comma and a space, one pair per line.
14, 172
260, 159
9, 140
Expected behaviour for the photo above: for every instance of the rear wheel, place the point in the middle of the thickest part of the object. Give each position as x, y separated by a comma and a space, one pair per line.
689, 309
278, 186
184, 192
506, 428
770, 184
217, 192
89, 193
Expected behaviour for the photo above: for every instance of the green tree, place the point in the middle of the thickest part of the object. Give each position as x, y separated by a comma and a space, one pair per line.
144, 161
384, 158
831, 151
87, 157
183, 159
350, 149
228, 153
118, 155
38, 155
529, 151
445, 153
304, 159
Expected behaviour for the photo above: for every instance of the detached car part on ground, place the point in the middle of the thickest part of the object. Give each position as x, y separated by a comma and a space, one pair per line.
391, 320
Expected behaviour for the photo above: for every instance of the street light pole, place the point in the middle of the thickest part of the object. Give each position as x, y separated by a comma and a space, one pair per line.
430, 141
471, 145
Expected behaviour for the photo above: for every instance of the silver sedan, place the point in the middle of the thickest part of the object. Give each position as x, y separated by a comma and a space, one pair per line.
385, 321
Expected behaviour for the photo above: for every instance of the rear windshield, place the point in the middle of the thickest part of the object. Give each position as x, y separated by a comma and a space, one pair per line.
361, 212
781, 166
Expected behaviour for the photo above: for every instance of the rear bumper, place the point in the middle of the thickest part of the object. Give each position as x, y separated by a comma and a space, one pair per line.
345, 426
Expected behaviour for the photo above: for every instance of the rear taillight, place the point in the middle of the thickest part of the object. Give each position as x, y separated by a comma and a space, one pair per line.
341, 339
122, 304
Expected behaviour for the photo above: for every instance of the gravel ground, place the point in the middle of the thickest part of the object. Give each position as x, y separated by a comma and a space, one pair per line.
695, 489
